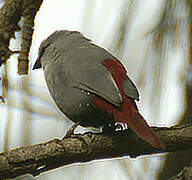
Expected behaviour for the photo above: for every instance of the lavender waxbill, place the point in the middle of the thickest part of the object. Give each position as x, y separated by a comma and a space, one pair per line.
90, 85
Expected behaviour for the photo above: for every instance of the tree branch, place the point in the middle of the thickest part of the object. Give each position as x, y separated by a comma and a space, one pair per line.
75, 148
10, 14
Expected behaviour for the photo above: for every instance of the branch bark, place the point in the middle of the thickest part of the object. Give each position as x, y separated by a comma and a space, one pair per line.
10, 14
75, 148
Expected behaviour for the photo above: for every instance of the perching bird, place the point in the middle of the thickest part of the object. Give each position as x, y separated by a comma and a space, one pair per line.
91, 86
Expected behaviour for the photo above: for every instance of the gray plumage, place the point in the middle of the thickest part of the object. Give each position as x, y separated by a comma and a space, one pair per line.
75, 75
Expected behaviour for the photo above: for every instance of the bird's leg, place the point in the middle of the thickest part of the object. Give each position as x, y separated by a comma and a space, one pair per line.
107, 128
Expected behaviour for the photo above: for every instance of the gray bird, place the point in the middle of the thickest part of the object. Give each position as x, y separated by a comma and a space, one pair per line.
89, 85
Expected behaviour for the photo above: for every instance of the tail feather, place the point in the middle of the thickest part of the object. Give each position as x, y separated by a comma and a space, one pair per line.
128, 113
137, 123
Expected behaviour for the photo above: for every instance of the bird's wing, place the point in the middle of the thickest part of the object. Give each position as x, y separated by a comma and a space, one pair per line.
130, 89
97, 80
119, 73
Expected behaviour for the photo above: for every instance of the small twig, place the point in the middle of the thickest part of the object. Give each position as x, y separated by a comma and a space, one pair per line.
70, 132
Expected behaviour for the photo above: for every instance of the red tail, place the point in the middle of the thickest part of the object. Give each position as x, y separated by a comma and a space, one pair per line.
137, 123
127, 113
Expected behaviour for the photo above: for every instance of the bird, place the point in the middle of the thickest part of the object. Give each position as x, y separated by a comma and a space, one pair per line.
90, 85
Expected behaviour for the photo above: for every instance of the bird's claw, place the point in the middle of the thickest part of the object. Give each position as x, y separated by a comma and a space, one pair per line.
120, 127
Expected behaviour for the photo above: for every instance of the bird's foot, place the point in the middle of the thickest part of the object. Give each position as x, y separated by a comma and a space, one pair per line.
114, 127
120, 126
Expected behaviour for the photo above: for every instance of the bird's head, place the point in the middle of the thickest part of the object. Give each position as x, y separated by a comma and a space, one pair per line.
55, 43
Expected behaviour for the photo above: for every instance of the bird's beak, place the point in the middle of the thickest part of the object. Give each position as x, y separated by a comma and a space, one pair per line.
37, 64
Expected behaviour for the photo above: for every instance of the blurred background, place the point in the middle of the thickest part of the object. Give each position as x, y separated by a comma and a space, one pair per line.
152, 38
